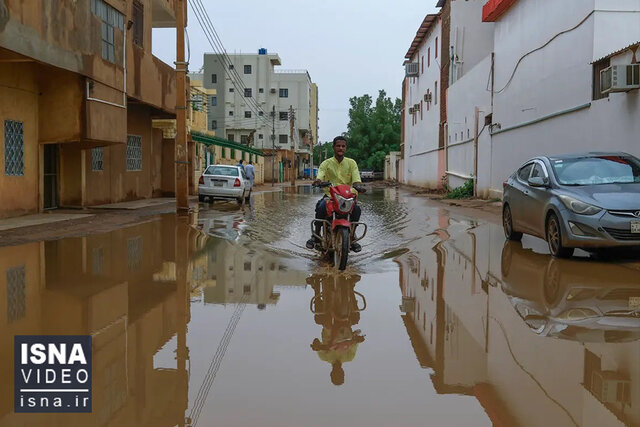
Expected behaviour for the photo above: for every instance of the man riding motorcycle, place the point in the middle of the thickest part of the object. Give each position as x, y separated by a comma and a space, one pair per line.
339, 170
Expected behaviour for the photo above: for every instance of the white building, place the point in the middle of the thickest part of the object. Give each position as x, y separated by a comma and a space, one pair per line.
254, 100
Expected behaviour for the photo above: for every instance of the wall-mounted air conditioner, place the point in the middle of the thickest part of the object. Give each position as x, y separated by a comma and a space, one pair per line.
620, 78
610, 387
411, 69
410, 110
273, 90
416, 107
408, 305
427, 97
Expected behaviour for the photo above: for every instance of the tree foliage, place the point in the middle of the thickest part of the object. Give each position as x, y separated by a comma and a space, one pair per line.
373, 130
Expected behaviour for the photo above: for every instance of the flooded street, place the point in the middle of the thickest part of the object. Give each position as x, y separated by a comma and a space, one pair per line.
224, 318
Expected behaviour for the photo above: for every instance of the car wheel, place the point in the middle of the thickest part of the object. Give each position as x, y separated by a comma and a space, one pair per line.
201, 199
554, 238
551, 284
507, 225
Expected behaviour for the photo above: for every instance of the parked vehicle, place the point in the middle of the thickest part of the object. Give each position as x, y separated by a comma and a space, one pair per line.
224, 182
587, 201
337, 235
572, 299
366, 175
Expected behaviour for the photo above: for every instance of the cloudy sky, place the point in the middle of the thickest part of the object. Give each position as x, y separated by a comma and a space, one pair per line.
349, 47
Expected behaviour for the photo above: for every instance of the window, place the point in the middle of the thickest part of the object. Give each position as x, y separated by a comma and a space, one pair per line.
244, 139
261, 113
247, 114
97, 155
538, 171
214, 101
247, 69
138, 23
230, 113
284, 116
247, 92
111, 19
283, 138
13, 148
436, 47
428, 57
231, 66
284, 93
16, 293
134, 253
435, 93
214, 78
597, 89
134, 153
230, 137
260, 136
230, 90
261, 90
524, 172
214, 124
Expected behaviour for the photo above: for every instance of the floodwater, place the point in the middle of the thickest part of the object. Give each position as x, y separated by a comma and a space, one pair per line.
223, 318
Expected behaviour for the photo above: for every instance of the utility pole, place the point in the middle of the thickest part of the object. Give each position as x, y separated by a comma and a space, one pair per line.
292, 120
182, 165
273, 143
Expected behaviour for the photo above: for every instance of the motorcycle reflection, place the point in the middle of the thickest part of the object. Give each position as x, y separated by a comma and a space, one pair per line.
336, 306
579, 300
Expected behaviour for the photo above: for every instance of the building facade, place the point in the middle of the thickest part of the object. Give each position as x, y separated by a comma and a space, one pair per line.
263, 107
75, 109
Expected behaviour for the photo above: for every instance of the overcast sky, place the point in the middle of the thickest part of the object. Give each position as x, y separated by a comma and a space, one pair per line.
349, 47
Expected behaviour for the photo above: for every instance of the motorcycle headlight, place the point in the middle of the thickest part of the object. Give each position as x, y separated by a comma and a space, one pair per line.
578, 206
345, 205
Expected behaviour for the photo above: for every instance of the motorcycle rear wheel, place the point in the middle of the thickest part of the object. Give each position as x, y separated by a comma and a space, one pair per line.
341, 253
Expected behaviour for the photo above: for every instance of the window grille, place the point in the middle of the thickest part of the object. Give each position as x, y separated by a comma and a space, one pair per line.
284, 93
13, 148
97, 155
134, 253
283, 115
283, 139
134, 153
16, 294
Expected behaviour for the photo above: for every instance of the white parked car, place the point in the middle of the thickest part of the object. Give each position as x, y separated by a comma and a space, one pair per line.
224, 182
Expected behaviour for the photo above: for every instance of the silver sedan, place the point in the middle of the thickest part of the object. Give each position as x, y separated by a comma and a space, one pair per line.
588, 201
224, 182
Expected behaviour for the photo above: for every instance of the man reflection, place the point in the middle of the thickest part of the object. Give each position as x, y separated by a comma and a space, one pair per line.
336, 308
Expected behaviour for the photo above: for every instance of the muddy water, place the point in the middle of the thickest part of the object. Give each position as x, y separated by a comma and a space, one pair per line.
224, 318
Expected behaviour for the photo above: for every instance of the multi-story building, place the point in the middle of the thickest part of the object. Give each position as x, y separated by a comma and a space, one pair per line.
260, 106
79, 88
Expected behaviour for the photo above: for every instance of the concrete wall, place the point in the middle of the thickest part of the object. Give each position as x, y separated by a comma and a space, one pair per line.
19, 95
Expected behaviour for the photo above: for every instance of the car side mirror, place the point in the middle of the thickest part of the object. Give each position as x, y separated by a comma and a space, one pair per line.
537, 181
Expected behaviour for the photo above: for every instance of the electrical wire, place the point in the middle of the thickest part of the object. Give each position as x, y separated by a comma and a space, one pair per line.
207, 27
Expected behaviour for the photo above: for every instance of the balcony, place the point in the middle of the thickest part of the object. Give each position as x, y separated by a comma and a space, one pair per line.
163, 13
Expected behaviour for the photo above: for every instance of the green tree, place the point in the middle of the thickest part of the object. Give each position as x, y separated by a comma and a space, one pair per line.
373, 130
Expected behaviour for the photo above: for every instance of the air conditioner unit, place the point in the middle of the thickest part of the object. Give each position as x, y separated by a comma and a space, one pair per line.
410, 110
273, 90
411, 69
427, 97
620, 78
408, 305
416, 107
610, 387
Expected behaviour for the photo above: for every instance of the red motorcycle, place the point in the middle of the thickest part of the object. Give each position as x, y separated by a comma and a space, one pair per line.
338, 233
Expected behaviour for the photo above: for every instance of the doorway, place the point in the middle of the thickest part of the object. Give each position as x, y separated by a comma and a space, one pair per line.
51, 173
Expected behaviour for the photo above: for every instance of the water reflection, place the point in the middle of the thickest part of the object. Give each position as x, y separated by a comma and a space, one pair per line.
459, 291
572, 299
336, 306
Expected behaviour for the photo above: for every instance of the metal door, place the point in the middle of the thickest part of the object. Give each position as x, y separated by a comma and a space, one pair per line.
51, 173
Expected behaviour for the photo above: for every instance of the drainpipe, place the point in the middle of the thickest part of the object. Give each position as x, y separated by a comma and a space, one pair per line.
124, 90
476, 114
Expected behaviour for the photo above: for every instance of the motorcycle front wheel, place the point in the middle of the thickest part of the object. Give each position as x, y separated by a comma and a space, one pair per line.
341, 253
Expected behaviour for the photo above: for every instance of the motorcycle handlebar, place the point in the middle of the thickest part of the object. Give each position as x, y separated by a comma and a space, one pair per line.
324, 184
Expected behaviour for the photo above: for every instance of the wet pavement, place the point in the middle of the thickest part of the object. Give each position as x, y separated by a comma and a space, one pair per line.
223, 318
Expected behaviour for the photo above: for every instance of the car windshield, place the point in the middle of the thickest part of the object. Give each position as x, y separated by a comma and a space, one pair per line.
222, 170
597, 170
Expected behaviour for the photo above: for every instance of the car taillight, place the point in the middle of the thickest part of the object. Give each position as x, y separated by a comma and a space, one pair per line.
504, 185
201, 180
237, 183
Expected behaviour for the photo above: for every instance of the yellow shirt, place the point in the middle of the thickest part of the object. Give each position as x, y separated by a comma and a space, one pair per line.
339, 173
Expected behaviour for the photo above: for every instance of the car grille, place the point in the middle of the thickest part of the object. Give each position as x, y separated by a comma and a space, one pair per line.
625, 213
618, 234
